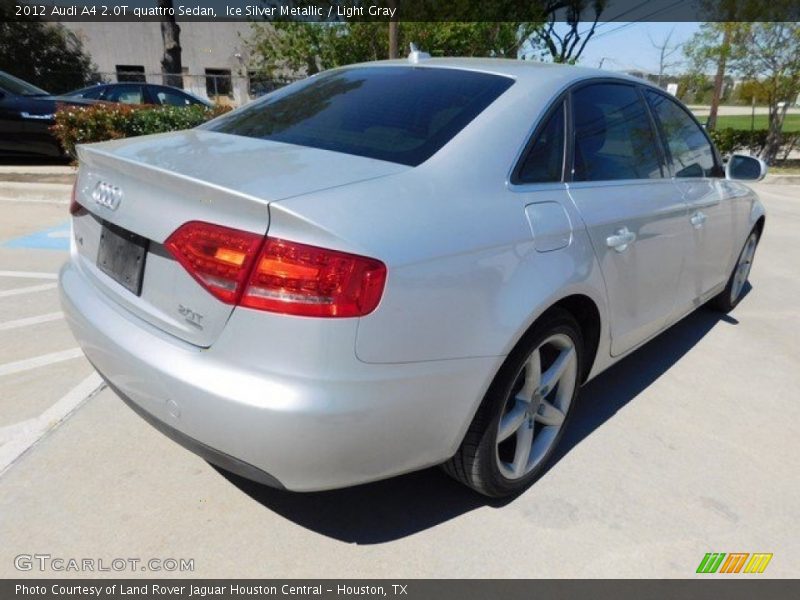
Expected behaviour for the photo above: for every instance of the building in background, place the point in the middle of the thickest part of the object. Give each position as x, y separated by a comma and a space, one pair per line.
215, 57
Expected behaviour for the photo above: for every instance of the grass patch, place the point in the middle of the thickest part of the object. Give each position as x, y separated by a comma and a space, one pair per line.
790, 123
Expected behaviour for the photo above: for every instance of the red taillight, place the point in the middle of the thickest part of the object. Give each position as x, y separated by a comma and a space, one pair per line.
284, 277
74, 205
297, 279
219, 258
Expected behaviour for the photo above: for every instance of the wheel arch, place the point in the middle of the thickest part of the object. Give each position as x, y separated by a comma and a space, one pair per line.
587, 314
759, 226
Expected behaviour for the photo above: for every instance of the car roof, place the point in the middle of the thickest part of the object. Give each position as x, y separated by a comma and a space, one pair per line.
526, 72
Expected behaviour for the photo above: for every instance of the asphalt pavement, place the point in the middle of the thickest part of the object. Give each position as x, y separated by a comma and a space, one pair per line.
688, 446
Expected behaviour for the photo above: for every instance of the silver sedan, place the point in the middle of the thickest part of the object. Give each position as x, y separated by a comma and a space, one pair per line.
400, 264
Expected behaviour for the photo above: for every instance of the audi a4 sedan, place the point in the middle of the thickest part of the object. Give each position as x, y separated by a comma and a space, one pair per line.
400, 264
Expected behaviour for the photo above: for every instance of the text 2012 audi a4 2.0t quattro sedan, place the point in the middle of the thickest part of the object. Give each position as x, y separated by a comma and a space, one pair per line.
400, 264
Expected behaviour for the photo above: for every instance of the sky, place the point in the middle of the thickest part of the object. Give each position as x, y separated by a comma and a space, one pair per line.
625, 45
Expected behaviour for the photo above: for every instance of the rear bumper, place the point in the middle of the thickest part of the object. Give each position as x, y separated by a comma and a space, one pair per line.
300, 415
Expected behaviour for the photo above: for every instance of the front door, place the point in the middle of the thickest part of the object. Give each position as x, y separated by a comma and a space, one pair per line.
696, 173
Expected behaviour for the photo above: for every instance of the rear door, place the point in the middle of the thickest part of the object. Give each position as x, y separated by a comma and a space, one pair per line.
633, 212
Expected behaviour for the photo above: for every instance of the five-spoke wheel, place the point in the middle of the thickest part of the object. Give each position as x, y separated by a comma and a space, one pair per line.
525, 411
535, 412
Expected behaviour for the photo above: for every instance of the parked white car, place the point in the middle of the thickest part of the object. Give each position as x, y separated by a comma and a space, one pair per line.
395, 265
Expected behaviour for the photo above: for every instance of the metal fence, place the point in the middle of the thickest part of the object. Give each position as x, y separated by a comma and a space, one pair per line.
217, 85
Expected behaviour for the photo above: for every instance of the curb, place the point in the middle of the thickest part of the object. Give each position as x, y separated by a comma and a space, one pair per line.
782, 179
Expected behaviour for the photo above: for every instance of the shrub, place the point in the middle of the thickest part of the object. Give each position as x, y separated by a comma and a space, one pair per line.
729, 140
100, 122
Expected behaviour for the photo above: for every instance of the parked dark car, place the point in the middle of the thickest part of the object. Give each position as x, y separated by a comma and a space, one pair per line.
139, 93
26, 115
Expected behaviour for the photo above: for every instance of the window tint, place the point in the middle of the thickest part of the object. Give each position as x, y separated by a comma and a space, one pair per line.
691, 153
398, 114
613, 135
545, 157
126, 94
169, 97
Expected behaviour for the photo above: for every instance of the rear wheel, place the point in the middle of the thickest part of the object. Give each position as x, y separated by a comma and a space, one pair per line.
525, 411
728, 298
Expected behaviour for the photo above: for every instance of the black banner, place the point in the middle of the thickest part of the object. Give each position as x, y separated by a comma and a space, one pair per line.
734, 588
405, 10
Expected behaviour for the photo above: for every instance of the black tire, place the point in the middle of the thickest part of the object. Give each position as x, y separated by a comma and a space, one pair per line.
476, 462
727, 300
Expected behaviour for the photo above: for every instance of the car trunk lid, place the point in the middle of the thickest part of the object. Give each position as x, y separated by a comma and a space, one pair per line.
146, 188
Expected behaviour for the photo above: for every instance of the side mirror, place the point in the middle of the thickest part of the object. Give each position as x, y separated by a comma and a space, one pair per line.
741, 167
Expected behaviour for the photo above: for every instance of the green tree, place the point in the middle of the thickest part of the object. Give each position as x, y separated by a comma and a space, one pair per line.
770, 53
712, 47
45, 54
313, 47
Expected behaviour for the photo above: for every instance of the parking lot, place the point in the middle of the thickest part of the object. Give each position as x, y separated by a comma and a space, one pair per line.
686, 447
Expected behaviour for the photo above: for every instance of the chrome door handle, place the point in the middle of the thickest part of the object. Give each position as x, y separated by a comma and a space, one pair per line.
698, 219
621, 239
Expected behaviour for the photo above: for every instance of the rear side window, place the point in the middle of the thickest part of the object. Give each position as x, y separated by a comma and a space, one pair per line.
545, 158
397, 114
614, 138
689, 149
126, 94
169, 97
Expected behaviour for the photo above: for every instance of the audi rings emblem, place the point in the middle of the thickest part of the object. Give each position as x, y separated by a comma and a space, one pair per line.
107, 195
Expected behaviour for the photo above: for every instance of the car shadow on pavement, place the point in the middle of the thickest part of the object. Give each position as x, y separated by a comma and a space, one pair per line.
388, 510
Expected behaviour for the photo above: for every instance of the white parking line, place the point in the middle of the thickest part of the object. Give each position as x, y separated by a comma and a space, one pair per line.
9, 432
28, 290
54, 316
39, 361
30, 432
29, 274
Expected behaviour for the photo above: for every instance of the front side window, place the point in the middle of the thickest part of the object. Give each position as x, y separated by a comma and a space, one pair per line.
690, 151
614, 138
545, 158
397, 114
91, 93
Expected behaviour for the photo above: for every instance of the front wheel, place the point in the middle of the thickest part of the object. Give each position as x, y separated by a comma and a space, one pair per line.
728, 298
525, 411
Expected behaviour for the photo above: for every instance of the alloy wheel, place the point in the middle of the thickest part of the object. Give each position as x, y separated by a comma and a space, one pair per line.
742, 271
537, 406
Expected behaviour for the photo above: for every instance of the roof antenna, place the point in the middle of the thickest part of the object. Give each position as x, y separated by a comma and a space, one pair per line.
415, 54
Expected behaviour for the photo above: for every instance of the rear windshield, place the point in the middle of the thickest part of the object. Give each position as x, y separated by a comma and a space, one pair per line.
398, 114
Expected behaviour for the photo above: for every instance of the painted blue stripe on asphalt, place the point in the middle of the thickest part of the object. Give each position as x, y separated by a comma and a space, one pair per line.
53, 238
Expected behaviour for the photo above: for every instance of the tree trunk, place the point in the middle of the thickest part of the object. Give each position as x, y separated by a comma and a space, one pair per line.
393, 41
719, 78
774, 136
171, 36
